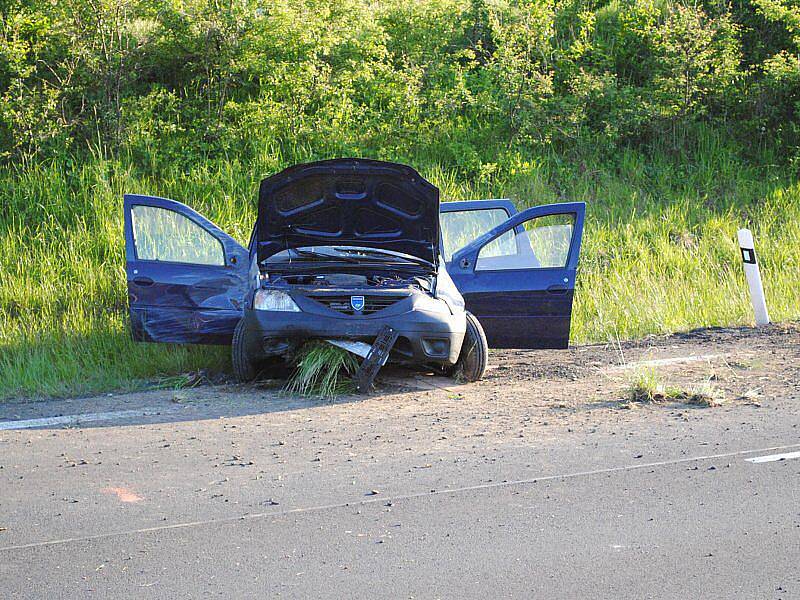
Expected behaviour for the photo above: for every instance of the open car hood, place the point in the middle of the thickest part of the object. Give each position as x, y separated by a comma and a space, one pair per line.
349, 202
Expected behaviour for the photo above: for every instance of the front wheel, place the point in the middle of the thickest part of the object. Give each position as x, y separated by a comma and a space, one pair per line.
243, 366
471, 363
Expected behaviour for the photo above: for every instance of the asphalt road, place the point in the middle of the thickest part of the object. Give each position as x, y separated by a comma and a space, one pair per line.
253, 496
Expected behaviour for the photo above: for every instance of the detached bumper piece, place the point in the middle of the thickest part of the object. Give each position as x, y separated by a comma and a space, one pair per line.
376, 358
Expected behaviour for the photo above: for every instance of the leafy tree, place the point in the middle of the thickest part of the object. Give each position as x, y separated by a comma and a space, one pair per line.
465, 81
697, 57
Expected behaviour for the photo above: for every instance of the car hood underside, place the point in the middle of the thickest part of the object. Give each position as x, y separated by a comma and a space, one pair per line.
349, 202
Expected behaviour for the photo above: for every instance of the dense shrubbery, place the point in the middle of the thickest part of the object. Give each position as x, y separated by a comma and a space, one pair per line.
461, 81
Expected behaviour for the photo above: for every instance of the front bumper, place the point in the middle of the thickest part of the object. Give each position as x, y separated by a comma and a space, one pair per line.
423, 337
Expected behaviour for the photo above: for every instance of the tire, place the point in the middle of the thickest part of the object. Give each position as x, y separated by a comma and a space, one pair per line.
243, 366
471, 363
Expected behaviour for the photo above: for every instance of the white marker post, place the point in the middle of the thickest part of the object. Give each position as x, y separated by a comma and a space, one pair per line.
753, 275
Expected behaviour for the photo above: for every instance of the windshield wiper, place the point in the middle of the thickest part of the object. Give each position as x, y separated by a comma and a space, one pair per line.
313, 254
386, 256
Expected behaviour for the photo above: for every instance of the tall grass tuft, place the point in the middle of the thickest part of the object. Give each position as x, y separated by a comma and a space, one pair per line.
322, 370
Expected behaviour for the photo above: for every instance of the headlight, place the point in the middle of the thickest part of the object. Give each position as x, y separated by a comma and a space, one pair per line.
431, 305
274, 300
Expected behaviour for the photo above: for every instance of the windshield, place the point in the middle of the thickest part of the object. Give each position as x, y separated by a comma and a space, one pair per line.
348, 254
462, 227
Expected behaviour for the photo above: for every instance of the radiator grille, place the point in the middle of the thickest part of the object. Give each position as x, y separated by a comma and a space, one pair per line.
372, 304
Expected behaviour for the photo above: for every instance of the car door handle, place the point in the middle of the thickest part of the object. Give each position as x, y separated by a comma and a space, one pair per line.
557, 289
142, 281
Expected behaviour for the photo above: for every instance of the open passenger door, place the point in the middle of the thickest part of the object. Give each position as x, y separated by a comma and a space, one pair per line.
186, 278
518, 277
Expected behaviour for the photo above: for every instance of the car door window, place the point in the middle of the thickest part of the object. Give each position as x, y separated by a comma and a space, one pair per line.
540, 243
164, 235
462, 227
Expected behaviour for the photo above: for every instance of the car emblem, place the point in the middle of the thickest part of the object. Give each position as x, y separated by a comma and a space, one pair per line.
357, 302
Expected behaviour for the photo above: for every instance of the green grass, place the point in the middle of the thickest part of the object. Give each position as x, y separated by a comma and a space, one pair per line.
322, 370
659, 254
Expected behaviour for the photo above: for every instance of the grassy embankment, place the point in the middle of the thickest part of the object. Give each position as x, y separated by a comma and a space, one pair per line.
659, 253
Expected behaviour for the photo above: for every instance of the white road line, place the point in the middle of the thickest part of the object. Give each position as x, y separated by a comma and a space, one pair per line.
773, 457
78, 419
396, 498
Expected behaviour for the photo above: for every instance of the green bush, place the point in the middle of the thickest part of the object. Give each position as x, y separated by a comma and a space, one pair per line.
460, 80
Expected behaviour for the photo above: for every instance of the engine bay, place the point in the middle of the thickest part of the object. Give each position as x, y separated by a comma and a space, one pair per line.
353, 281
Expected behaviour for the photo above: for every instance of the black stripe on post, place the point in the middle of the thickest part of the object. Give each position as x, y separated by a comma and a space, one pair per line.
749, 256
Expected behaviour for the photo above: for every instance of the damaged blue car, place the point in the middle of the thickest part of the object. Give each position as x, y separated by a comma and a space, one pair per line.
344, 249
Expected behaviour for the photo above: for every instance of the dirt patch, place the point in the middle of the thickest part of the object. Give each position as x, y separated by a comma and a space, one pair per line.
742, 363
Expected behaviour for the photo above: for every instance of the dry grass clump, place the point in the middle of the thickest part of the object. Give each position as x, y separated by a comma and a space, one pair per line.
706, 395
646, 387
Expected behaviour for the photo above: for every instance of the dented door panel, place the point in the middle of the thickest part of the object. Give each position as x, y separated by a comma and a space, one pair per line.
182, 302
